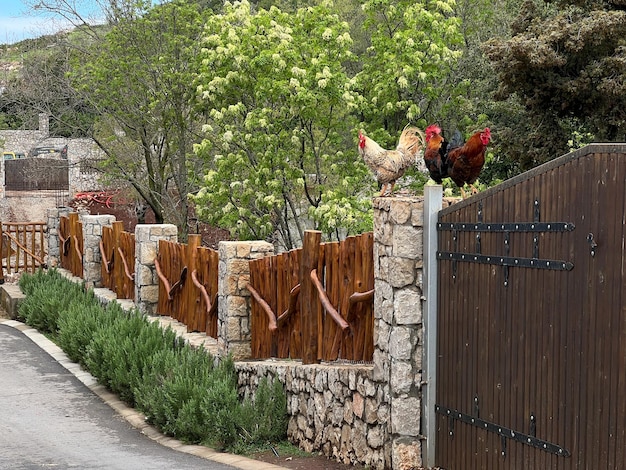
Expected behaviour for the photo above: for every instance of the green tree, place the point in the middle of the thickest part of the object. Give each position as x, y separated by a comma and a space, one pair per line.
279, 102
39, 84
566, 64
406, 68
138, 80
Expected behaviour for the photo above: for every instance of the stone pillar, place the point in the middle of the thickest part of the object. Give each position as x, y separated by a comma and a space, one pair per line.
398, 328
233, 318
92, 259
146, 249
53, 223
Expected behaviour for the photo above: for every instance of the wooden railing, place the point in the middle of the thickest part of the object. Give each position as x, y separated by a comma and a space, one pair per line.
188, 284
23, 247
117, 251
315, 303
71, 244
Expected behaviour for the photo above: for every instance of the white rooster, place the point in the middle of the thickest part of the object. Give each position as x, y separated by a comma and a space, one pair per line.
389, 165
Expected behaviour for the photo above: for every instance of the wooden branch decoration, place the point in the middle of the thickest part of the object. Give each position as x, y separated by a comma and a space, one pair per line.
107, 263
24, 249
271, 316
65, 242
129, 275
179, 284
328, 306
78, 253
356, 298
200, 286
294, 294
163, 279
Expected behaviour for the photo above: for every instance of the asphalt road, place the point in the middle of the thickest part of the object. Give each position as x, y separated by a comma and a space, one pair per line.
50, 419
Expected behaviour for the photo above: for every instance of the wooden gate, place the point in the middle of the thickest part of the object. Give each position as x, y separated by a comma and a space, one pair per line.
531, 342
23, 247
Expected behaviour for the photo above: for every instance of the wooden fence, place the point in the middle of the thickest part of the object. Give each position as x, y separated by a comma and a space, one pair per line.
315, 303
23, 247
188, 287
71, 244
117, 251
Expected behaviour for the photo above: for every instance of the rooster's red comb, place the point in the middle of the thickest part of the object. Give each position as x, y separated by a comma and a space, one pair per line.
433, 129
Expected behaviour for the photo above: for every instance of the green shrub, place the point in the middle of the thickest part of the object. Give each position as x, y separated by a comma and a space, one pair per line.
119, 355
79, 323
47, 297
174, 389
269, 412
182, 390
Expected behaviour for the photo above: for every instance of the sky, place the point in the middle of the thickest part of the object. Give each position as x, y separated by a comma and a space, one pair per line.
17, 22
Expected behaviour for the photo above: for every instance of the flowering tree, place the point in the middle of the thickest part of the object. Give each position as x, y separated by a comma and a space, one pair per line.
280, 103
407, 65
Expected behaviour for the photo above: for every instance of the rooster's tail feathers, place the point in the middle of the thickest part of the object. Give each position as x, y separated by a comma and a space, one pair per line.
412, 141
456, 141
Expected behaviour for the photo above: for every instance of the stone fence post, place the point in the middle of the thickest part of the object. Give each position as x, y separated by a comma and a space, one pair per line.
398, 324
92, 258
233, 318
147, 238
53, 223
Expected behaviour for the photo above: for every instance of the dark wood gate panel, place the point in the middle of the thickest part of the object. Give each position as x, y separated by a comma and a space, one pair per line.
532, 320
34, 174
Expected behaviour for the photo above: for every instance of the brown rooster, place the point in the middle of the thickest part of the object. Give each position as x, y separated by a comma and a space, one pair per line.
389, 165
466, 161
435, 155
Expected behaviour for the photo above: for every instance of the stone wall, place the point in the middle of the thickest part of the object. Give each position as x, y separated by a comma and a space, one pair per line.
92, 258
398, 328
338, 410
355, 413
146, 250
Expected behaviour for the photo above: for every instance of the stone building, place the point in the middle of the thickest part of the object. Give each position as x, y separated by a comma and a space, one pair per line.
28, 206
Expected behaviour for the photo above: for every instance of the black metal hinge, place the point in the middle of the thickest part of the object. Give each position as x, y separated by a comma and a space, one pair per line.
506, 261
507, 227
504, 432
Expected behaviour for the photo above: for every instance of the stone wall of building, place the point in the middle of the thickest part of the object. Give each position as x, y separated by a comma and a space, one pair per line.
28, 206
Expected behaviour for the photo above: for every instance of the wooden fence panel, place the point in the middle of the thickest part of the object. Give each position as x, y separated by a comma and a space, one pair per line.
71, 244
188, 287
125, 267
331, 318
23, 247
172, 264
276, 279
205, 312
117, 251
108, 245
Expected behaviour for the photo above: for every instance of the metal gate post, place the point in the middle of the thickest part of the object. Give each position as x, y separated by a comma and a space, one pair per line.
433, 197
